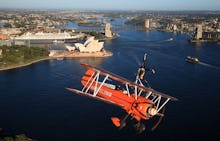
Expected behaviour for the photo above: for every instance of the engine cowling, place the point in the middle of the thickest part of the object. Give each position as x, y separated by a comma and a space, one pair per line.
146, 110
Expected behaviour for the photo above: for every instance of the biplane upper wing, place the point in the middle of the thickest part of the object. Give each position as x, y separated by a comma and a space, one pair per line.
91, 96
128, 82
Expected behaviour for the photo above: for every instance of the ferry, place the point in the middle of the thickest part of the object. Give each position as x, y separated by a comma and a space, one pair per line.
192, 59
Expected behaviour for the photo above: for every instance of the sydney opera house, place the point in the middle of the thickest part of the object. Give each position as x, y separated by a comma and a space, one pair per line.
91, 45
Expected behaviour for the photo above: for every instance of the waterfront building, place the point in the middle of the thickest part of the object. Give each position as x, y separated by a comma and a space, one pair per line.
3, 36
10, 31
211, 36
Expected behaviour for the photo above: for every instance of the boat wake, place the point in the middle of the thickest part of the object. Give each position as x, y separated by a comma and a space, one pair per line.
208, 65
169, 40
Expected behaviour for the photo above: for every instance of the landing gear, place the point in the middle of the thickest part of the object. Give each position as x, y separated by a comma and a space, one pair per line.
139, 127
123, 121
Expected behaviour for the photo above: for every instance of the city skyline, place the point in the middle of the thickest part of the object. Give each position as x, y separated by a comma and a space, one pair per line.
112, 5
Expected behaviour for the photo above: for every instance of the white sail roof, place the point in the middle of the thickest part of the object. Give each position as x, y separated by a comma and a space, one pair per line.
90, 45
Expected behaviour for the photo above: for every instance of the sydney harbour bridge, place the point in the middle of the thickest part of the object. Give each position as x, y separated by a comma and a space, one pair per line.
114, 28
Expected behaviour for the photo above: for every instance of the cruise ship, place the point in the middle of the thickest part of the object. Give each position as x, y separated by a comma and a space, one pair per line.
42, 37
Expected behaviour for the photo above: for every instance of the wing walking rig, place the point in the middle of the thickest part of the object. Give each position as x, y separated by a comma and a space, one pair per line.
139, 102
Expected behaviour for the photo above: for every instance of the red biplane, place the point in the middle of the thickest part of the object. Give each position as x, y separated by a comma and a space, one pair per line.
140, 102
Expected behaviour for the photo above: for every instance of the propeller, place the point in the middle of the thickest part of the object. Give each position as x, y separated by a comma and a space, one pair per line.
159, 120
140, 127
145, 58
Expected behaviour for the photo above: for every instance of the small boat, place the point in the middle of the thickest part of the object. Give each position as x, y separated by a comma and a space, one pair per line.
60, 58
192, 59
171, 39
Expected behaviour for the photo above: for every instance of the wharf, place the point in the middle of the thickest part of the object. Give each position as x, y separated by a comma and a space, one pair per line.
68, 54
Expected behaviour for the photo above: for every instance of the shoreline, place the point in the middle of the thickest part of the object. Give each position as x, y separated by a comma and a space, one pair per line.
25, 64
69, 54
65, 55
200, 41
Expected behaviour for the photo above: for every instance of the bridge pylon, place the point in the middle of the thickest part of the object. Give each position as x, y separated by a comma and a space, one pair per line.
108, 32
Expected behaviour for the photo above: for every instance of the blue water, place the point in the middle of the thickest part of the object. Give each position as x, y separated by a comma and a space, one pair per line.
33, 99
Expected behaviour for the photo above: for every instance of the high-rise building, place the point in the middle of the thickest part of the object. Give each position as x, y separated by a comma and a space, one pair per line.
147, 24
198, 32
174, 27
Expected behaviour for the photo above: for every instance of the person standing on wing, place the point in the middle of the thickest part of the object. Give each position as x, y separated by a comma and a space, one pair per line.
143, 69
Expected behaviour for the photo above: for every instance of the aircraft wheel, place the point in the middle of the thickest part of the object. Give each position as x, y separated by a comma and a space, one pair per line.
139, 127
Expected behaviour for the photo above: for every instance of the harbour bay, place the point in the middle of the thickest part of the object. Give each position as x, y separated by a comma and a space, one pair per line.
34, 101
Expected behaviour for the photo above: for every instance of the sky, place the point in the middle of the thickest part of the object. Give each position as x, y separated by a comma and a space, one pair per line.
112, 4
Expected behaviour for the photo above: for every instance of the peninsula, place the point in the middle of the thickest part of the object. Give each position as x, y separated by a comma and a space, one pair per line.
20, 56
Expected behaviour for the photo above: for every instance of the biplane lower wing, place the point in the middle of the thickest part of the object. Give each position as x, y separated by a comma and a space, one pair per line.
90, 96
128, 82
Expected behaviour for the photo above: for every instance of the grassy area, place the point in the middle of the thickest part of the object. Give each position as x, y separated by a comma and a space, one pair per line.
19, 55
97, 35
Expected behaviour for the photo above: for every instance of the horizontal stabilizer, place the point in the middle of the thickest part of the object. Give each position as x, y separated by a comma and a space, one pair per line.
116, 121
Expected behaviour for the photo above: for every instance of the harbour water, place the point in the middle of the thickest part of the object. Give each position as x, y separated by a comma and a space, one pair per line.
33, 99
